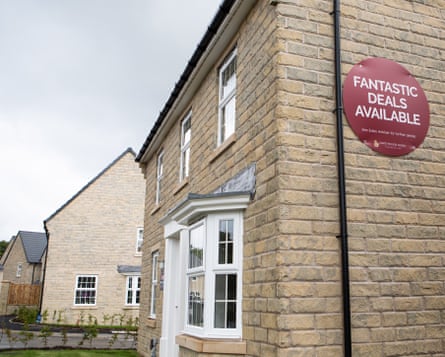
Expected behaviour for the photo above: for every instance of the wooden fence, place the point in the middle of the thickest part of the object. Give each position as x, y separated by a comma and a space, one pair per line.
24, 294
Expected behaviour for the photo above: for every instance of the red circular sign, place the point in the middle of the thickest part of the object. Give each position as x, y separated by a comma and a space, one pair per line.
385, 106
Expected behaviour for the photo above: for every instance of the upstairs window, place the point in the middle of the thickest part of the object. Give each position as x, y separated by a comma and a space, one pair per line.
159, 176
139, 240
186, 132
227, 98
18, 273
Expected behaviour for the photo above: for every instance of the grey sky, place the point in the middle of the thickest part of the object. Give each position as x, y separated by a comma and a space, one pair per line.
80, 81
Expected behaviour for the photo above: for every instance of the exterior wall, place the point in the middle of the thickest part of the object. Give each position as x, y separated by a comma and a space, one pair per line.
93, 234
254, 142
31, 273
292, 297
396, 205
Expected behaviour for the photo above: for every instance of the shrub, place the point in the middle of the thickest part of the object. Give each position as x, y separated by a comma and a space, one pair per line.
27, 315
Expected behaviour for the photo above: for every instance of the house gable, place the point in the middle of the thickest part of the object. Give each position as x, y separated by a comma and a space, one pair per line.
89, 238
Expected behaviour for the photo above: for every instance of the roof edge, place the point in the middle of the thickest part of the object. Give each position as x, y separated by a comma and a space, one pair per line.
94, 179
209, 35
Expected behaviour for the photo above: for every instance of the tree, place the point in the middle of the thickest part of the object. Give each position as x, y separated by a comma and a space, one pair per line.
3, 245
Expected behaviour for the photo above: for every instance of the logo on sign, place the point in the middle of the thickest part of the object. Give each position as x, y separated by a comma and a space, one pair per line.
385, 106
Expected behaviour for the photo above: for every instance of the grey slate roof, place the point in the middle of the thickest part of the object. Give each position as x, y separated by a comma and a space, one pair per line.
122, 269
34, 244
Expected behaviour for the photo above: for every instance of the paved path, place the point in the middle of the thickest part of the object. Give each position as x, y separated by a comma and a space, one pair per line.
13, 337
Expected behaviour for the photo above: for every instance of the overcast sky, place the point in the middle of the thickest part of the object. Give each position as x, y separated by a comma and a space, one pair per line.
80, 82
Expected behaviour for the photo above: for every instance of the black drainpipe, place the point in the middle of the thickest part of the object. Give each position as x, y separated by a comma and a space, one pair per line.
341, 185
44, 269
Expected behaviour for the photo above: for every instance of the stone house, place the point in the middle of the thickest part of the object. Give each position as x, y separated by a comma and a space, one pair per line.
22, 260
21, 269
270, 228
93, 264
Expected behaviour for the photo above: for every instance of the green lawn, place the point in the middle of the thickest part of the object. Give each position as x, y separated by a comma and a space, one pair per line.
71, 353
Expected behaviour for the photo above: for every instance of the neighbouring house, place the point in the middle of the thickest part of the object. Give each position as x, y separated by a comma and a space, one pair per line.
93, 266
22, 269
23, 258
244, 243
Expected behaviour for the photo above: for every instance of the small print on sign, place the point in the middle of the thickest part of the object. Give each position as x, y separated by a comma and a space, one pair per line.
385, 106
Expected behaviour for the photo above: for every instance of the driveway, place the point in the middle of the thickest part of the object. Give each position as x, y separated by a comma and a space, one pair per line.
12, 336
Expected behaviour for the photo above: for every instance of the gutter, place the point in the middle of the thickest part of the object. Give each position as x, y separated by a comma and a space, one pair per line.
219, 18
341, 186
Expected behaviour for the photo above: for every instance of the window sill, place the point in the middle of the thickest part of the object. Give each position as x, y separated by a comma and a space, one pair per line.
180, 186
154, 210
151, 322
221, 346
131, 307
223, 147
84, 307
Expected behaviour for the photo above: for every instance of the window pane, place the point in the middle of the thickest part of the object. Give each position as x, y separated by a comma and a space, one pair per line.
225, 246
196, 247
85, 297
231, 287
228, 79
225, 301
196, 301
220, 314
186, 129
228, 119
231, 315
185, 161
220, 287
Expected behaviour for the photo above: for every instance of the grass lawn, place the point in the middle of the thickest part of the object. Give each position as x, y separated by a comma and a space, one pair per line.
71, 353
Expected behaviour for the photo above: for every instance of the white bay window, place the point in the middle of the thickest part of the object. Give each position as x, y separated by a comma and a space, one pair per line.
204, 252
213, 276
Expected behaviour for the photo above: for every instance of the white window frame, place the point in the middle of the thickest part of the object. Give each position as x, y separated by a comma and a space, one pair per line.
139, 240
95, 289
210, 269
184, 169
19, 270
194, 273
159, 176
134, 287
154, 282
227, 128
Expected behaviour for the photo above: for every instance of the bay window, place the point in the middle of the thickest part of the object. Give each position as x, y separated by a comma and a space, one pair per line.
213, 276
203, 268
